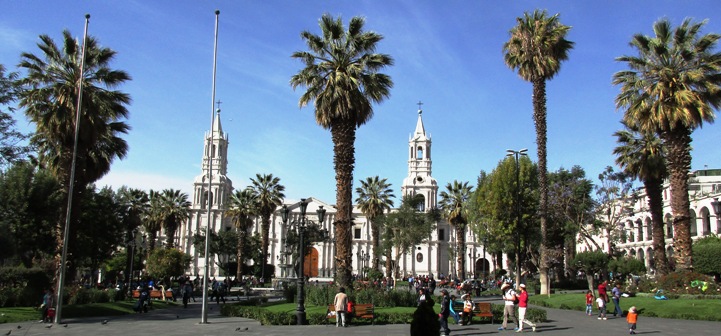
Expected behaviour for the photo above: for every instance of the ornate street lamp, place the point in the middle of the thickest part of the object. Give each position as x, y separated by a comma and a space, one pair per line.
516, 154
302, 226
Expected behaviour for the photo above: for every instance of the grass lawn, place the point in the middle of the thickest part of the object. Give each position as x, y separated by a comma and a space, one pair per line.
689, 309
20, 314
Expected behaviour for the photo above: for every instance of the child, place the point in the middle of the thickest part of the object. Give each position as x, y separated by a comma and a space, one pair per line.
454, 314
589, 303
467, 310
631, 318
601, 302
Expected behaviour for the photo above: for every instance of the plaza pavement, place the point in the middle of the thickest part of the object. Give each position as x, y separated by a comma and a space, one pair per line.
178, 321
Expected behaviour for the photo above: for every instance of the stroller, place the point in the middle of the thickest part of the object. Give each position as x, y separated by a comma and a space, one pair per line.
142, 304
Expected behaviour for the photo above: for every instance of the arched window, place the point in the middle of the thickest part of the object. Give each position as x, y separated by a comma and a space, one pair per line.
692, 223
421, 202
639, 227
705, 221
649, 228
419, 153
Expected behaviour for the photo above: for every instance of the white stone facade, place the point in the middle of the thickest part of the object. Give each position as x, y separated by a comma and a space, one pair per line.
704, 188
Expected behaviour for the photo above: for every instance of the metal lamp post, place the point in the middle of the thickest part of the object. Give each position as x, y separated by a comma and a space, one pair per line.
516, 154
129, 276
301, 224
717, 210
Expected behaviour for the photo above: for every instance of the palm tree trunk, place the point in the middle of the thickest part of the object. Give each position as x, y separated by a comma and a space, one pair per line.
461, 248
239, 253
678, 143
265, 240
539, 118
376, 244
655, 203
343, 135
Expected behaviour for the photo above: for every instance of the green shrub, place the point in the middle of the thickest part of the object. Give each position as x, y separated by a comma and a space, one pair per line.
680, 283
85, 296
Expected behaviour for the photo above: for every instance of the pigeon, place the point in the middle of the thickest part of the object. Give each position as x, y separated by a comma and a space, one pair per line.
177, 316
65, 325
104, 322
9, 332
49, 326
241, 329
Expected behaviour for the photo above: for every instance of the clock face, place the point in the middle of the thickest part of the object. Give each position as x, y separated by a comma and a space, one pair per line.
419, 179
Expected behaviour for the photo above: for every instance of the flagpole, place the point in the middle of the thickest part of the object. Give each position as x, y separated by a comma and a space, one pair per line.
204, 317
66, 231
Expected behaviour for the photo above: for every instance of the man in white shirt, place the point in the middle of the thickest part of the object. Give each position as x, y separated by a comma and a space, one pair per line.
509, 310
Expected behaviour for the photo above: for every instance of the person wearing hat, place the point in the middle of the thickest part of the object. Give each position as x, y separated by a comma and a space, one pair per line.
509, 297
445, 311
522, 305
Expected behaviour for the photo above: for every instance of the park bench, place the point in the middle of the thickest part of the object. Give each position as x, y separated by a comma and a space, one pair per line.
364, 310
155, 294
483, 309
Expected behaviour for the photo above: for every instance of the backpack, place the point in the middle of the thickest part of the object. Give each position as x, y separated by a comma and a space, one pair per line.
515, 300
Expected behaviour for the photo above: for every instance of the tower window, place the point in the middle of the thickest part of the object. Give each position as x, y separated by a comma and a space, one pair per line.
441, 234
419, 155
357, 233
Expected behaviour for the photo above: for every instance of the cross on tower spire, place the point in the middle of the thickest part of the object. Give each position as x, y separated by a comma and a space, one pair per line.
419, 106
218, 104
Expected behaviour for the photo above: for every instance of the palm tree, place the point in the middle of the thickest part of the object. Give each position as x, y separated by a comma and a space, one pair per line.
342, 78
153, 221
641, 155
135, 204
175, 210
374, 199
671, 88
49, 94
242, 209
269, 196
536, 47
453, 204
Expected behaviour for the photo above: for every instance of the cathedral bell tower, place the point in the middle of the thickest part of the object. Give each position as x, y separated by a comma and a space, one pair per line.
419, 180
214, 167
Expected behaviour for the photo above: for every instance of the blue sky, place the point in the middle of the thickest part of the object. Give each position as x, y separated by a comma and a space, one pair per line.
447, 55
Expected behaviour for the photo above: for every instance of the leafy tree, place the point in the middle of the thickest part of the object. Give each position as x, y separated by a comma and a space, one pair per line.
30, 204
164, 263
342, 79
49, 95
407, 228
453, 204
671, 88
641, 155
489, 205
536, 48
707, 256
269, 196
11, 149
103, 230
591, 262
374, 199
570, 208
615, 197
241, 209
624, 266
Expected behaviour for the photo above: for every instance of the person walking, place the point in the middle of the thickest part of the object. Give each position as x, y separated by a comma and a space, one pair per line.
445, 311
601, 308
509, 298
522, 305
589, 302
187, 292
341, 303
453, 312
616, 297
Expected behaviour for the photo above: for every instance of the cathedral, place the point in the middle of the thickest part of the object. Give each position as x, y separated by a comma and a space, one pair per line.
434, 257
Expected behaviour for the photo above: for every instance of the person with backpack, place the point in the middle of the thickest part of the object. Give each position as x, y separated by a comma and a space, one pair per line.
509, 309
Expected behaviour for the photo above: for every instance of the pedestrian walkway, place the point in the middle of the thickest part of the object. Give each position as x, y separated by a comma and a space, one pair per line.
182, 322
